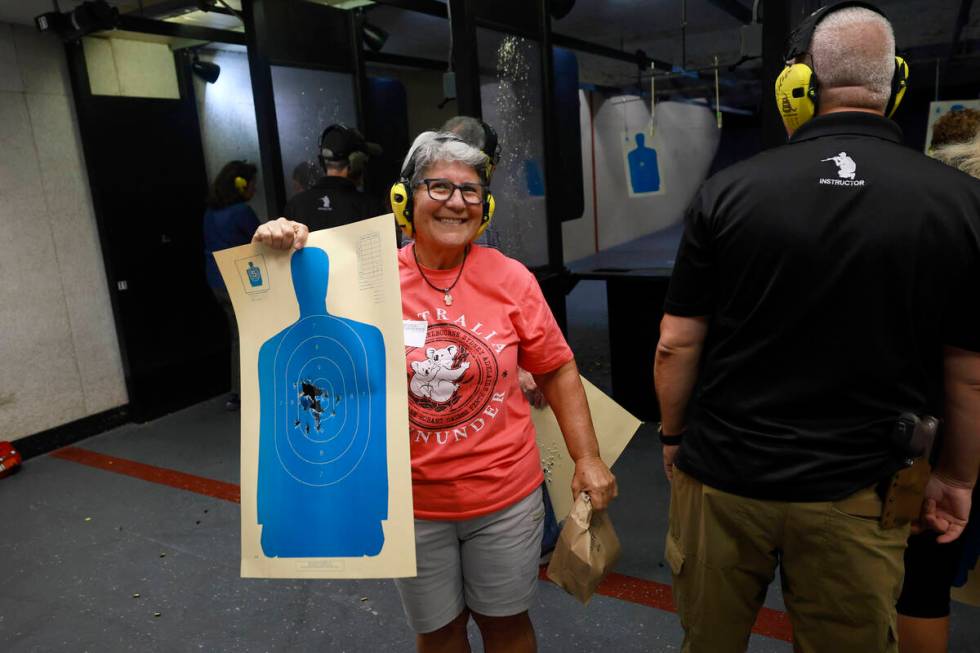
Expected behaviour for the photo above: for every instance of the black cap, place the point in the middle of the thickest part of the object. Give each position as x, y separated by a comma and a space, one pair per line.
338, 142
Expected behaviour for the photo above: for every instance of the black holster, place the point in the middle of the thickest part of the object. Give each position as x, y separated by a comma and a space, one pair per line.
912, 440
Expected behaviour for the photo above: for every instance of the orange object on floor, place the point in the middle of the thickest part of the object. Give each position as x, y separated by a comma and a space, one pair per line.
10, 459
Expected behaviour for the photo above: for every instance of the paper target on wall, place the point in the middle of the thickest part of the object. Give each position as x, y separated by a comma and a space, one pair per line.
642, 165
326, 481
685, 139
640, 150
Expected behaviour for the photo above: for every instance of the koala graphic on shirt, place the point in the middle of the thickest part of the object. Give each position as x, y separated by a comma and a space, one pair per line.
434, 377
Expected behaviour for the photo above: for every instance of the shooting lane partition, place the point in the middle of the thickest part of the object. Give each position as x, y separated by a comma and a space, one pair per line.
307, 70
325, 468
523, 89
510, 90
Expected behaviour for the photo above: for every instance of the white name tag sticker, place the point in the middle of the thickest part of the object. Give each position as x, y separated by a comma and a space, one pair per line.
415, 331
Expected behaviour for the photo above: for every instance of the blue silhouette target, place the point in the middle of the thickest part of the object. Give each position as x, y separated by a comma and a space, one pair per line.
323, 471
644, 170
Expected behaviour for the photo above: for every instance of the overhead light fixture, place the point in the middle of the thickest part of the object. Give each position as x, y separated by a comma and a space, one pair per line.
374, 36
90, 16
206, 70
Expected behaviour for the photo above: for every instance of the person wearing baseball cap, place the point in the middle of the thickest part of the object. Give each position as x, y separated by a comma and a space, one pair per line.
334, 199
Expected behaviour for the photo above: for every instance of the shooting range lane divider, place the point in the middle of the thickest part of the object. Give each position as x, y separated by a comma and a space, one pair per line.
770, 623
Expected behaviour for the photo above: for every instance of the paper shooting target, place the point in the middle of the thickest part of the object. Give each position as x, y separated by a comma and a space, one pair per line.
322, 483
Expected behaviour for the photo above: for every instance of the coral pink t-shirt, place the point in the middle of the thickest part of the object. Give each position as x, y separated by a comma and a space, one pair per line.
472, 439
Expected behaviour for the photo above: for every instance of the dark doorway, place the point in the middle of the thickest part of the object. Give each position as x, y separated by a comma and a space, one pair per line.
146, 170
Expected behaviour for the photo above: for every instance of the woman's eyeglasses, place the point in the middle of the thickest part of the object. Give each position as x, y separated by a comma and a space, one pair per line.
442, 189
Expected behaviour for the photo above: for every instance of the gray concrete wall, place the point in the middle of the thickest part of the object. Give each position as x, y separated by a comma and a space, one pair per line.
130, 68
59, 357
227, 115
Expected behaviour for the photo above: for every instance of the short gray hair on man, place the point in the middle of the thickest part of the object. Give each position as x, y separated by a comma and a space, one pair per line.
853, 51
468, 129
442, 147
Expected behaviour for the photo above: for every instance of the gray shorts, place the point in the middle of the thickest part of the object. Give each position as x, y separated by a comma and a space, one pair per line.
488, 564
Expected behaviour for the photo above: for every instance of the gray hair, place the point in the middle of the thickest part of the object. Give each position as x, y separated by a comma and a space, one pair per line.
853, 52
442, 147
965, 156
468, 129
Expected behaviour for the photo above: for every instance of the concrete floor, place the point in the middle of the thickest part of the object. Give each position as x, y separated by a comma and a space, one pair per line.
98, 561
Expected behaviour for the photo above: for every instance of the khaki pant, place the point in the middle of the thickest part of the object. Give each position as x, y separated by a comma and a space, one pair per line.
841, 572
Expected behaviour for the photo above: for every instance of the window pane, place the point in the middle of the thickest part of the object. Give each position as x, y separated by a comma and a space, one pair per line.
511, 89
308, 101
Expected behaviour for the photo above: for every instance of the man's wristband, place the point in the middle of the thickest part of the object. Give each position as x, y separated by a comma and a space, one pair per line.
669, 440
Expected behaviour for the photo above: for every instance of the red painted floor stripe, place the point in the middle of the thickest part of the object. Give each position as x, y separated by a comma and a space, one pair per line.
160, 475
770, 623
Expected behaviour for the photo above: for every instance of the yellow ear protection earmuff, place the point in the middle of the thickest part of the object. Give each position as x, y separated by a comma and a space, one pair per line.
401, 197
489, 206
241, 185
797, 87
491, 147
900, 84
402, 202
796, 95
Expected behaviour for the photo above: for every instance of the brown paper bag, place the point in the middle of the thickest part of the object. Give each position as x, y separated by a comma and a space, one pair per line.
586, 552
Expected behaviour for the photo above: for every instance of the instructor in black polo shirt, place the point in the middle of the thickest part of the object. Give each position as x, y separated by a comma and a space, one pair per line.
334, 200
825, 301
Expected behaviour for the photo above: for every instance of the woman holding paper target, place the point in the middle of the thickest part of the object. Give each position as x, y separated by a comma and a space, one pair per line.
476, 475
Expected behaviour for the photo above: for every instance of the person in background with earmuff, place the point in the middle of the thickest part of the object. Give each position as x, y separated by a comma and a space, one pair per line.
483, 137
476, 472
822, 309
334, 199
229, 222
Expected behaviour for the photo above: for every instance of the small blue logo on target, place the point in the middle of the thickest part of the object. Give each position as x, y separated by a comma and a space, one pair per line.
253, 273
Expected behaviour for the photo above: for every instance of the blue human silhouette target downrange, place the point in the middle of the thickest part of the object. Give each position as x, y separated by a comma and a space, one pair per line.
643, 167
323, 472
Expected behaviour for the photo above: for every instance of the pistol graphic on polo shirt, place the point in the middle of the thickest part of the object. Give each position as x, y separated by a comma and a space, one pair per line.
322, 477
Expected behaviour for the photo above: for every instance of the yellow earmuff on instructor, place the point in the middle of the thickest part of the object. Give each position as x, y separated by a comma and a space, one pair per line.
241, 185
797, 87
